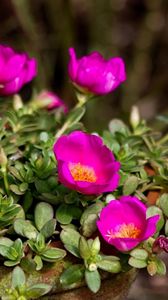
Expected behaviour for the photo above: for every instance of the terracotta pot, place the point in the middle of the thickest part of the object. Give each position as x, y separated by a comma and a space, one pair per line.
115, 287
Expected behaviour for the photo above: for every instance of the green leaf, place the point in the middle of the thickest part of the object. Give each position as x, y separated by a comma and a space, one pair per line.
9, 263
18, 277
40, 242
95, 247
42, 214
18, 246
25, 228
4, 250
166, 228
23, 186
109, 266
137, 263
15, 189
161, 267
75, 115
42, 186
28, 264
70, 237
6, 241
139, 254
39, 262
64, 214
163, 203
117, 125
72, 249
38, 290
154, 210
130, 185
93, 280
89, 225
72, 274
28, 200
53, 254
84, 249
92, 209
89, 218
48, 229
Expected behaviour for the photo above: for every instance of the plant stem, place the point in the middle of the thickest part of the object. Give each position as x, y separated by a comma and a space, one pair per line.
5, 179
163, 140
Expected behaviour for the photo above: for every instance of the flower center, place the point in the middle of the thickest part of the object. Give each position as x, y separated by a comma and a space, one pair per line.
82, 173
124, 231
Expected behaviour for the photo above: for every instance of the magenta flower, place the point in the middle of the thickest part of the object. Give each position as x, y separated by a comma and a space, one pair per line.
85, 164
16, 69
93, 74
51, 101
123, 223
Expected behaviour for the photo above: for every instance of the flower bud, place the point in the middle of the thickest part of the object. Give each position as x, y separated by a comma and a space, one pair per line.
49, 100
134, 116
3, 159
17, 102
161, 243
92, 267
152, 268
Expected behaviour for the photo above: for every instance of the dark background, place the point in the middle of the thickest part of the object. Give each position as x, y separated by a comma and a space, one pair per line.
136, 30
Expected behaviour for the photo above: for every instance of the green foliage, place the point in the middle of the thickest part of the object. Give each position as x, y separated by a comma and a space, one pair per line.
8, 212
42, 222
44, 252
93, 280
19, 289
72, 275
12, 251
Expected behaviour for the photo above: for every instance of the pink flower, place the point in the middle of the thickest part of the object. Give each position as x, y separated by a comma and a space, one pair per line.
93, 74
85, 164
16, 69
123, 223
50, 100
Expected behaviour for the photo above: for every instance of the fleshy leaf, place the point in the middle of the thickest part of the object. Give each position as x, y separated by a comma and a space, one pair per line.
18, 277
72, 274
93, 280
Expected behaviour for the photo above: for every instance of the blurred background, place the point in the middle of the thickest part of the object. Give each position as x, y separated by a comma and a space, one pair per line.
136, 30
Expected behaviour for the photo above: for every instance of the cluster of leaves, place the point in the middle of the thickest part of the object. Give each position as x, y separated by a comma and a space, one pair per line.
42, 222
20, 291
143, 157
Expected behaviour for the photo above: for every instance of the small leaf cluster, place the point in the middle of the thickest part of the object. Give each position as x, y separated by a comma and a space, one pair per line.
89, 251
20, 291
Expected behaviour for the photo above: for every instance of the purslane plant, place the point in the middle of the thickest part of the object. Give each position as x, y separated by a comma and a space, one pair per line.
74, 198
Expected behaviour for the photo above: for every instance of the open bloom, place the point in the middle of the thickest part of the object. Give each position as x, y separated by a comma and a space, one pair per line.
16, 69
85, 164
50, 100
123, 223
93, 74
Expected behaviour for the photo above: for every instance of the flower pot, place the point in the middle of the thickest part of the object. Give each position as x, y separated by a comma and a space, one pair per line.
115, 287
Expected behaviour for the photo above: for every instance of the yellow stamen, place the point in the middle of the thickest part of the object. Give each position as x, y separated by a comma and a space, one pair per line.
82, 173
124, 231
